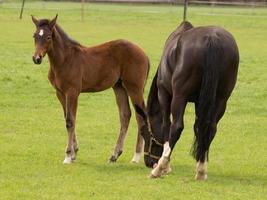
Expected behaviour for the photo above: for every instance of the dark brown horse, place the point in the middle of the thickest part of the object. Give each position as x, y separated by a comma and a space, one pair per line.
198, 65
75, 68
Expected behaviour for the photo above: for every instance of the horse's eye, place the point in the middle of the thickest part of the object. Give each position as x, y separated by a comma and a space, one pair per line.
48, 38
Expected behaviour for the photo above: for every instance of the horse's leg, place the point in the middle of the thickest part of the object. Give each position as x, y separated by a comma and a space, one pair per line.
165, 102
139, 147
125, 115
75, 147
201, 166
62, 99
71, 108
137, 99
178, 105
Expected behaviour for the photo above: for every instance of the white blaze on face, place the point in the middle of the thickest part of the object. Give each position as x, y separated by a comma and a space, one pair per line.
41, 33
167, 149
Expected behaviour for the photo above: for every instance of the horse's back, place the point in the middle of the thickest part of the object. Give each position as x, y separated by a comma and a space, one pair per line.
184, 61
115, 60
199, 43
134, 63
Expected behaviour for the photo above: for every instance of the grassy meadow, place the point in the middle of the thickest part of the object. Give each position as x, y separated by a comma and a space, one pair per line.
32, 129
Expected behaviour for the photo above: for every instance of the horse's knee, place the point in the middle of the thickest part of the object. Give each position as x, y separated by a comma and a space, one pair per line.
176, 131
127, 115
69, 123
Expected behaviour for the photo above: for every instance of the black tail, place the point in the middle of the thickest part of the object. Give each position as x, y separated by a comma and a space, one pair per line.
148, 66
153, 107
139, 110
207, 98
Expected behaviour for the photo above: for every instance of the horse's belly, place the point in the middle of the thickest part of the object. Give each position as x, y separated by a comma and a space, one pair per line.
98, 86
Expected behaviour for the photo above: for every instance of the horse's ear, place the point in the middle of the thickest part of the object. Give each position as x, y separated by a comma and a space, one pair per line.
34, 20
53, 22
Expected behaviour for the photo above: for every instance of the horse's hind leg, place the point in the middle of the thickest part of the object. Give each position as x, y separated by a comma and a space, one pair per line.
201, 166
125, 115
139, 147
141, 118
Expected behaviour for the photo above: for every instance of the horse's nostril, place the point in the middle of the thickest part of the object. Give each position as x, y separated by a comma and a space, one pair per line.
37, 59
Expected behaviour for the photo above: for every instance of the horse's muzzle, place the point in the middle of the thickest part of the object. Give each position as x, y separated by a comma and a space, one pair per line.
37, 59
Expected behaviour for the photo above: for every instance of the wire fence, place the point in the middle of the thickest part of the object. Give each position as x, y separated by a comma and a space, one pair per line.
45, 5
247, 3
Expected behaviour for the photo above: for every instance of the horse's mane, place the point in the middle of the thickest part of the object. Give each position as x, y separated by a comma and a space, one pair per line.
63, 34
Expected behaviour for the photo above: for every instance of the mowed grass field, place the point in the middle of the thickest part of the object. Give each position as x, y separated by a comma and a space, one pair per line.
32, 129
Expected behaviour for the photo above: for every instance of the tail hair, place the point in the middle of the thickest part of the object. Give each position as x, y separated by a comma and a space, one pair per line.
207, 99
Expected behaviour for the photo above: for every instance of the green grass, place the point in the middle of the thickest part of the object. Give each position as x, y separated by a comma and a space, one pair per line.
32, 129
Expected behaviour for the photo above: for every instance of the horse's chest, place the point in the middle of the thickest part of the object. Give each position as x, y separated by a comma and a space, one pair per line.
52, 79
56, 81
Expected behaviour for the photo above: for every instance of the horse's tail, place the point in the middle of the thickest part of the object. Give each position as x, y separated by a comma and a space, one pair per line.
148, 67
153, 107
207, 98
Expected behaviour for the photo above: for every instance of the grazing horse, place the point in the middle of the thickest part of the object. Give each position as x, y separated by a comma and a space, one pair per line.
75, 68
198, 65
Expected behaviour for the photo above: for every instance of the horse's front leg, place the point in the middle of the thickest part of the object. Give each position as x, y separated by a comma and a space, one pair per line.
62, 99
71, 108
177, 109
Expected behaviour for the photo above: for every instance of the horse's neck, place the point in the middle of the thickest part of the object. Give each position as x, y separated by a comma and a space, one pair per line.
59, 51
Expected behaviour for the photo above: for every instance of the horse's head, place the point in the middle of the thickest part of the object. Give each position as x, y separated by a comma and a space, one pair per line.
153, 145
154, 141
42, 37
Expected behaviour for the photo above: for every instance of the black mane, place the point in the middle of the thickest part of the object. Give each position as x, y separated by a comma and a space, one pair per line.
65, 36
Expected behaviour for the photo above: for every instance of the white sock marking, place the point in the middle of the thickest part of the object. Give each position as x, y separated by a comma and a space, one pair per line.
136, 157
67, 160
167, 149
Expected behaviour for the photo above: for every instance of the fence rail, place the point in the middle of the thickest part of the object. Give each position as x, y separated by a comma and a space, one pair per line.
219, 3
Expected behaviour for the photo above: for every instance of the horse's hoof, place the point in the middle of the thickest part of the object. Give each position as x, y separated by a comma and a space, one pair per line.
151, 175
167, 171
67, 160
155, 173
112, 159
201, 177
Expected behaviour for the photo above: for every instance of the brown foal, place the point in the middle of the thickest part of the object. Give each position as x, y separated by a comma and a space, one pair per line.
75, 68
